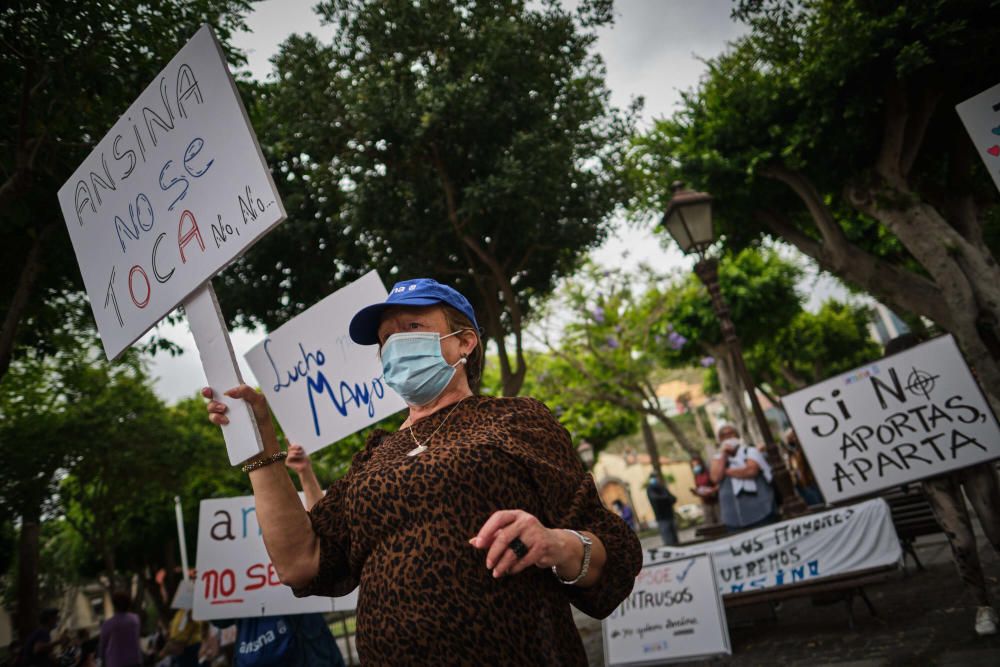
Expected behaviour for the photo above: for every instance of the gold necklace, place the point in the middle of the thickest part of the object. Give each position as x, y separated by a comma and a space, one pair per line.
421, 448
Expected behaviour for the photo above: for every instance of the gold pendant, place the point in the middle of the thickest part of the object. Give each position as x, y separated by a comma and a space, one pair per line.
417, 450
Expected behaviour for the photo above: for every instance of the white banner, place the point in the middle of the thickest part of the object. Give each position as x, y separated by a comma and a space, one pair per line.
173, 193
911, 415
322, 385
846, 539
981, 117
235, 576
673, 613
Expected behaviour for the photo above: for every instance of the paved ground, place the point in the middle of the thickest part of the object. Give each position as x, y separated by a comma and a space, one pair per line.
923, 619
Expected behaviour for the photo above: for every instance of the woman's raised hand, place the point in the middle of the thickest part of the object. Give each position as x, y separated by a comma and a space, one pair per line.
258, 404
297, 458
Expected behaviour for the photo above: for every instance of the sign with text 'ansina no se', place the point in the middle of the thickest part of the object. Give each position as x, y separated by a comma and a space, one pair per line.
909, 416
322, 385
673, 613
235, 576
173, 193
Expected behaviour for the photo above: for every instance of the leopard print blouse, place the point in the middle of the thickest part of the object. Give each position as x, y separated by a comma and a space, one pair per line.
399, 526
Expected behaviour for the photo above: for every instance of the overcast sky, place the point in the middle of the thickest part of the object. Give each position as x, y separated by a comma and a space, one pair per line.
654, 50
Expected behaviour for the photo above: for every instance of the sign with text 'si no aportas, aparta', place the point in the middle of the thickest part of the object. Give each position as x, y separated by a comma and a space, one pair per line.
173, 193
906, 417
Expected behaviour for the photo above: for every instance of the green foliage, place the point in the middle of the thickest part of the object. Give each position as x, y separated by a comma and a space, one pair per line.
469, 141
809, 89
609, 350
758, 286
814, 347
555, 382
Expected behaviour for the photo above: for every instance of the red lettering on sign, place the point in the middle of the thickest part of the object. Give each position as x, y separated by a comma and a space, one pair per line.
184, 237
131, 290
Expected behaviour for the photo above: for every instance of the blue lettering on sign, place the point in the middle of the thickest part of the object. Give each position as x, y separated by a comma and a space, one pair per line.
299, 370
345, 394
358, 394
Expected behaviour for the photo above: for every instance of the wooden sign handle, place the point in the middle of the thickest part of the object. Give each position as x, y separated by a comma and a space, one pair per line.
223, 373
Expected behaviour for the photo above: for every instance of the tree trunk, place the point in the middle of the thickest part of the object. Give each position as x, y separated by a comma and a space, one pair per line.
651, 448
965, 272
734, 395
22, 297
28, 604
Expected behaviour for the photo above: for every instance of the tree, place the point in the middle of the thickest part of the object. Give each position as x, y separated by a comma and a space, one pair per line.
73, 67
40, 442
814, 347
832, 126
468, 140
555, 382
610, 343
129, 462
760, 289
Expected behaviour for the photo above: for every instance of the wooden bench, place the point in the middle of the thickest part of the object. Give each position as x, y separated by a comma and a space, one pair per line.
912, 517
823, 590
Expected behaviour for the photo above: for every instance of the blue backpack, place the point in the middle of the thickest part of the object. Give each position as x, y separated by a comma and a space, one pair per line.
263, 641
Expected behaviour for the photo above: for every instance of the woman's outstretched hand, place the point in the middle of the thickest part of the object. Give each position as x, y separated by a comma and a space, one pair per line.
545, 546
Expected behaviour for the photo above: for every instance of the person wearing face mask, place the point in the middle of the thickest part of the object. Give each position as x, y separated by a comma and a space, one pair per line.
706, 490
746, 497
470, 530
798, 467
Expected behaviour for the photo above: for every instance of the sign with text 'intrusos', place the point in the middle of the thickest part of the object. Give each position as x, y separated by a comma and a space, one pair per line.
173, 193
673, 613
235, 576
322, 385
909, 416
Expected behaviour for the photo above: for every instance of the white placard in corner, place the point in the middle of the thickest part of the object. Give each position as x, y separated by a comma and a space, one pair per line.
673, 613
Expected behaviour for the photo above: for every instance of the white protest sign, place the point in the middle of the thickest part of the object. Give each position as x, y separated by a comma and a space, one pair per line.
235, 576
184, 595
173, 193
321, 385
838, 541
981, 117
673, 613
908, 416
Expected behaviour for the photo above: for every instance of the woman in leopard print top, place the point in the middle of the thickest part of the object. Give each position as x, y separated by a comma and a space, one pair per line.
463, 528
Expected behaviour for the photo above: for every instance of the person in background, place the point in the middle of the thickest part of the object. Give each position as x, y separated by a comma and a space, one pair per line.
743, 475
626, 513
706, 490
119, 643
38, 646
802, 474
183, 640
662, 502
944, 493
300, 462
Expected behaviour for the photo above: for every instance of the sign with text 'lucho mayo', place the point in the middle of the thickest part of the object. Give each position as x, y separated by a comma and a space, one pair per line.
173, 193
235, 576
321, 385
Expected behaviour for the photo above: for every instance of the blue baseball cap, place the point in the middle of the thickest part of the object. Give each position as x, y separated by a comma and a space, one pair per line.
416, 292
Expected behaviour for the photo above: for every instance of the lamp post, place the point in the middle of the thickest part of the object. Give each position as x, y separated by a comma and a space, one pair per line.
688, 220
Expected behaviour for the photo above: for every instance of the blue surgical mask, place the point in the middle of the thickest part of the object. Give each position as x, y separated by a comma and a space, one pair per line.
414, 367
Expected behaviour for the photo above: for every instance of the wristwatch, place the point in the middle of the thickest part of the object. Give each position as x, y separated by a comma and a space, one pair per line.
587, 544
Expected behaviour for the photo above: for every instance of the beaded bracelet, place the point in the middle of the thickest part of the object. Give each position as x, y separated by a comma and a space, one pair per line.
266, 461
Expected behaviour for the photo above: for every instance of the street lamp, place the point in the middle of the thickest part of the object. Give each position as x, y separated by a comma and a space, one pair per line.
688, 220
